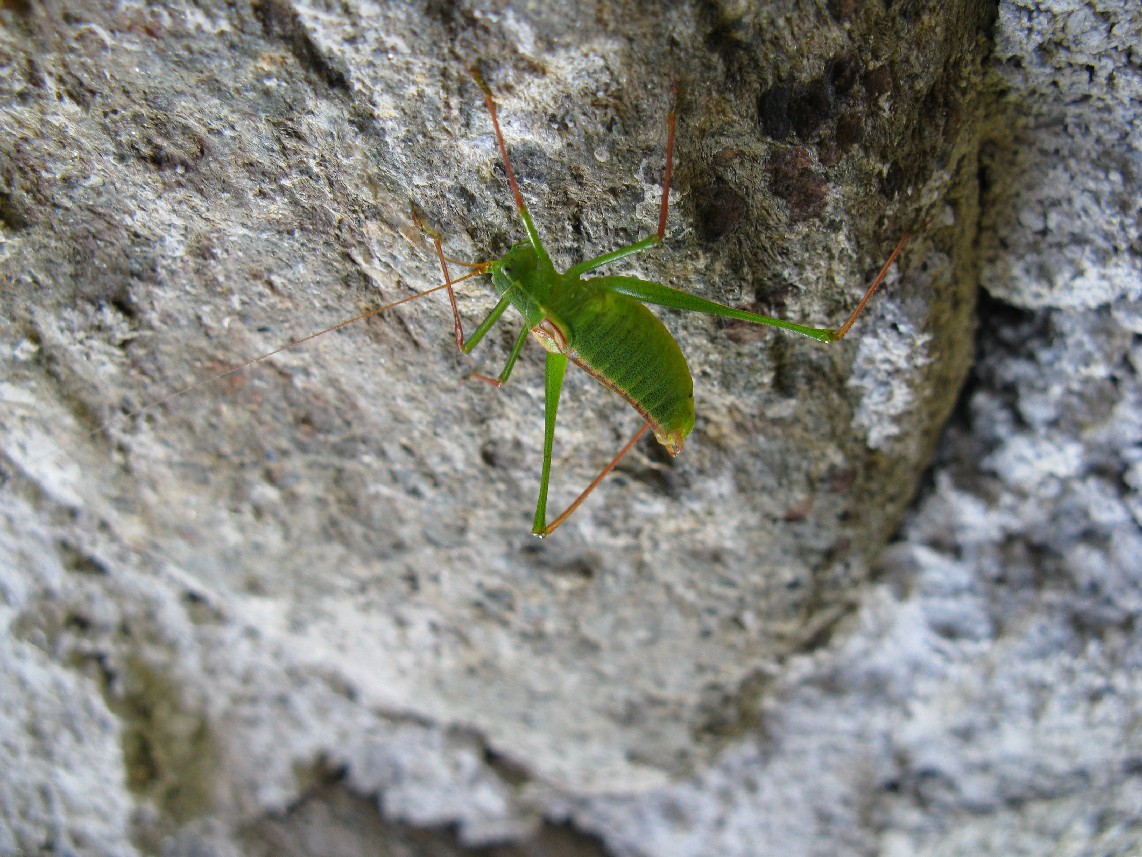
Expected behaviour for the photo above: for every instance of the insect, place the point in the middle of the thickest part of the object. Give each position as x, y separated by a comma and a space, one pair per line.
599, 323
602, 325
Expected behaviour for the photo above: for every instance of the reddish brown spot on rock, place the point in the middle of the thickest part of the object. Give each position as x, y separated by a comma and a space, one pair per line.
773, 110
793, 179
850, 131
878, 81
800, 510
843, 10
811, 108
844, 72
719, 210
841, 479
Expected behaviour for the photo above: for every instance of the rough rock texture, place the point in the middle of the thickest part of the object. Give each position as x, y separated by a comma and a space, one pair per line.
297, 611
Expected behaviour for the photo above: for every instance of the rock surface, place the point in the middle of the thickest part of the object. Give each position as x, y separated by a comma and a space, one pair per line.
297, 610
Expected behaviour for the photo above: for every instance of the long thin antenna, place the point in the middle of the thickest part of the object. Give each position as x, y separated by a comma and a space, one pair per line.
190, 388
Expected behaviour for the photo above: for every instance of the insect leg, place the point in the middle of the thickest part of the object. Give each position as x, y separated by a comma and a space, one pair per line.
622, 252
466, 345
525, 216
485, 325
507, 370
479, 268
844, 328
664, 208
555, 368
595, 482
660, 295
458, 325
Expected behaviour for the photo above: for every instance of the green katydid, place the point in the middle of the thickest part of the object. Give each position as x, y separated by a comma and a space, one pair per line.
598, 323
602, 325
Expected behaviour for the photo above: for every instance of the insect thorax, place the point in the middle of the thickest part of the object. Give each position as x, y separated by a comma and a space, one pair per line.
520, 276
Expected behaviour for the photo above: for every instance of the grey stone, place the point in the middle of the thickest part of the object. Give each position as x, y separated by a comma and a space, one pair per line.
294, 594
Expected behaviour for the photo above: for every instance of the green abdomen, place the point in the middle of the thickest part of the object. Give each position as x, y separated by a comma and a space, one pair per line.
623, 344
